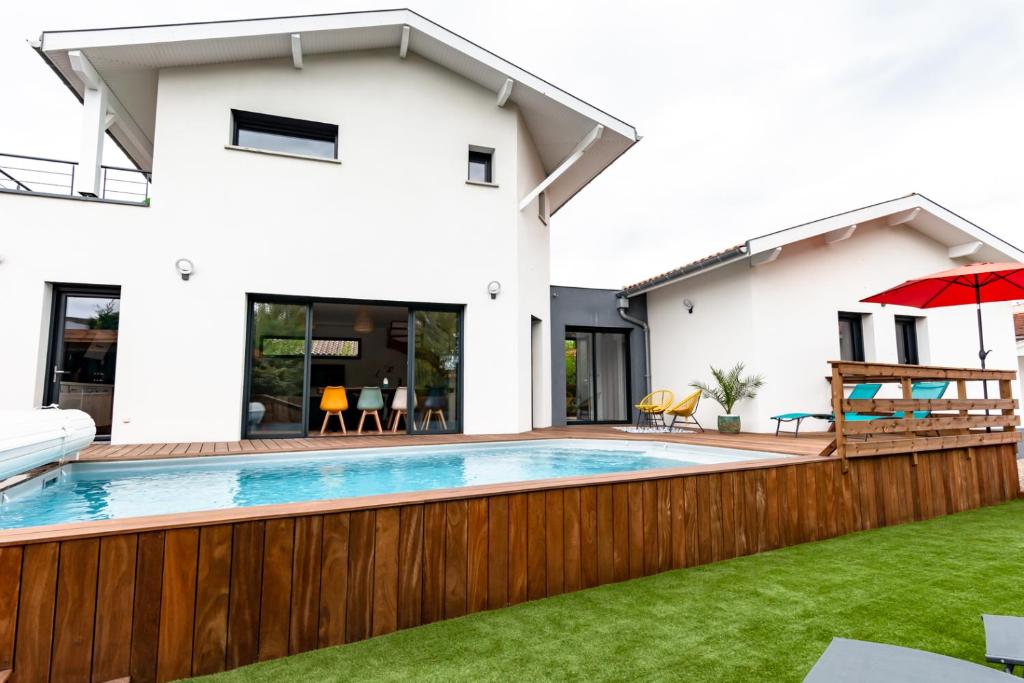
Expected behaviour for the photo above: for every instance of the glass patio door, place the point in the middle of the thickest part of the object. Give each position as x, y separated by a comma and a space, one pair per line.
83, 353
278, 366
435, 369
596, 376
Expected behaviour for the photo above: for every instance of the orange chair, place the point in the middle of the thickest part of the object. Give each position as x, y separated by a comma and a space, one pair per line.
334, 402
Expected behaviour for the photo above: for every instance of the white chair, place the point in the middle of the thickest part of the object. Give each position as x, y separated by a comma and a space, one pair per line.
399, 409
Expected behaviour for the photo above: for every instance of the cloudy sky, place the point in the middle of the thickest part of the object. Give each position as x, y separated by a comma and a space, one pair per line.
755, 115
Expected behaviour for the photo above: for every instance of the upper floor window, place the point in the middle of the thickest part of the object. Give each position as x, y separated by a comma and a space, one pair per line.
906, 340
481, 163
851, 337
284, 135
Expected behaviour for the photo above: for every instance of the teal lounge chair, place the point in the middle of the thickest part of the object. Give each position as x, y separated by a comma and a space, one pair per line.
920, 390
861, 391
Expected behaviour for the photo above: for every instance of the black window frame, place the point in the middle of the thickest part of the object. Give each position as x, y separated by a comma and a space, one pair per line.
283, 125
628, 371
856, 321
484, 153
906, 328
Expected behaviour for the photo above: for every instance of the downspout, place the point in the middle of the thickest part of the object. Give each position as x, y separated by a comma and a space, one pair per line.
623, 305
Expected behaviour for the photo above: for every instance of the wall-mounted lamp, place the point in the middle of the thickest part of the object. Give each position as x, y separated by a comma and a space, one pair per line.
688, 305
185, 268
494, 288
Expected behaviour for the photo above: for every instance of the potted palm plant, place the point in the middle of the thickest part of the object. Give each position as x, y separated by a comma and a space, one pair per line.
729, 388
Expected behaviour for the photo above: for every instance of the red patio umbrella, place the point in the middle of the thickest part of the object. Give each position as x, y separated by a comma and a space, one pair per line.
974, 284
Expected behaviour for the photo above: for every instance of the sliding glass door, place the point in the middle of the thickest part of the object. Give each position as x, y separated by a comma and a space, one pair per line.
596, 376
299, 347
278, 344
435, 365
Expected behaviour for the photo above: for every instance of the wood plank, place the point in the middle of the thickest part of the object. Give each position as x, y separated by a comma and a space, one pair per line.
359, 603
664, 513
333, 580
886, 405
385, 571
245, 596
10, 588
677, 556
275, 605
497, 552
572, 540
456, 558
149, 580
304, 618
588, 537
34, 638
517, 548
773, 522
410, 566
115, 598
649, 504
930, 443
554, 542
433, 562
606, 530
636, 528
78, 568
930, 424
476, 560
691, 522
791, 510
761, 508
888, 372
536, 550
213, 583
177, 604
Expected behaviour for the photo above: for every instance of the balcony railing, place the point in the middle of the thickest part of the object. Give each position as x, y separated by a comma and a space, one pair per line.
38, 175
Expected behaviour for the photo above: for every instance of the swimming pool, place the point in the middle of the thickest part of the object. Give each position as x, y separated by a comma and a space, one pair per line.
85, 491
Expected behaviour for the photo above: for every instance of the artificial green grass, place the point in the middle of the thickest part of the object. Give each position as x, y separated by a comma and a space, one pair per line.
761, 617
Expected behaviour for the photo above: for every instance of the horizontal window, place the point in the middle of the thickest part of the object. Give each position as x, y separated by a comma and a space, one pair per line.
281, 134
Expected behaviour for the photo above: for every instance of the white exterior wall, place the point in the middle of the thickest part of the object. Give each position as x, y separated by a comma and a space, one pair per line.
395, 220
781, 319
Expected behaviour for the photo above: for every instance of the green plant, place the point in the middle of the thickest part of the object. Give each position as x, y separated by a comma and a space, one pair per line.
730, 386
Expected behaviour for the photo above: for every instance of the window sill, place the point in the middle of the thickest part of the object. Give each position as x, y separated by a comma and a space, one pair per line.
272, 153
481, 183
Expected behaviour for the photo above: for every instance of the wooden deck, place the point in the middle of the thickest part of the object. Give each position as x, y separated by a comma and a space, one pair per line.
808, 444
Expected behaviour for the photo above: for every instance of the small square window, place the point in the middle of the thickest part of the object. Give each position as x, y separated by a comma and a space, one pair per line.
288, 136
480, 165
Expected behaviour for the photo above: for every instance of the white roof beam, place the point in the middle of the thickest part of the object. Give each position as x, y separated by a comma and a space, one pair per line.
581, 148
841, 234
765, 257
505, 92
965, 250
85, 71
403, 48
904, 216
297, 50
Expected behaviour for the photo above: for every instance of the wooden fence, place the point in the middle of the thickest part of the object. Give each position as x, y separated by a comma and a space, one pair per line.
160, 598
921, 424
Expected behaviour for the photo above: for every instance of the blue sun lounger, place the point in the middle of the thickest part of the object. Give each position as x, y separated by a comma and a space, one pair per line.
920, 390
861, 391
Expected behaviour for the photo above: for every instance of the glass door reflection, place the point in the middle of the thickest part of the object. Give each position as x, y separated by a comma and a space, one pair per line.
436, 367
276, 402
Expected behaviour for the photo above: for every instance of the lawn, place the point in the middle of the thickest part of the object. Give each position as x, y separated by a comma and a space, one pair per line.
762, 617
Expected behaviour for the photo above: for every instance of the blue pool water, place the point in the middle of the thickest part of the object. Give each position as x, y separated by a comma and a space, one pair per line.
96, 490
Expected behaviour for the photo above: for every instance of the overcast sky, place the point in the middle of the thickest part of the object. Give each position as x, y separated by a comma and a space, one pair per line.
755, 115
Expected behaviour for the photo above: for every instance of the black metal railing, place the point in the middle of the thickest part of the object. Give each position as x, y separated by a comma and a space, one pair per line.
40, 175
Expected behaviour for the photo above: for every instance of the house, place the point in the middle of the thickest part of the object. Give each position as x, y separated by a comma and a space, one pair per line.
358, 199
787, 302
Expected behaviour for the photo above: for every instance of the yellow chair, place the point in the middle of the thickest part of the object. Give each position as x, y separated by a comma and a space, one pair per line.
334, 402
686, 409
652, 407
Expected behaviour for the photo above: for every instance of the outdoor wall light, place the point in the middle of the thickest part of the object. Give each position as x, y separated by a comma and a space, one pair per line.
688, 305
494, 288
185, 268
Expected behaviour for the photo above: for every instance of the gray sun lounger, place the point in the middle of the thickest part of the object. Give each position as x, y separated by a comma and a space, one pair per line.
858, 661
1004, 640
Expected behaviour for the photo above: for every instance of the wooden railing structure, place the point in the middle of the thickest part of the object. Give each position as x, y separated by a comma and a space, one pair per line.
165, 597
913, 425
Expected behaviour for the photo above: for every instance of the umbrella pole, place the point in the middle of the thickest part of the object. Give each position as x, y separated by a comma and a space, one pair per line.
982, 353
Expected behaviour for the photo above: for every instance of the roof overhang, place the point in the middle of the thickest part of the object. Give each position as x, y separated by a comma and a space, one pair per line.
964, 240
129, 59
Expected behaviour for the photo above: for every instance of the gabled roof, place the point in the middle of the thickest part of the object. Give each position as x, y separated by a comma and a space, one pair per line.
128, 60
964, 239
